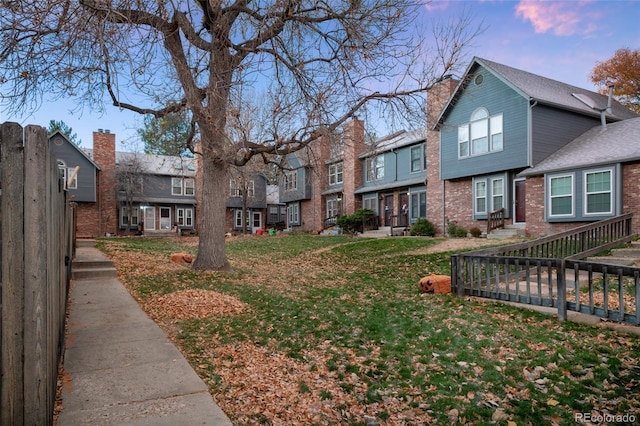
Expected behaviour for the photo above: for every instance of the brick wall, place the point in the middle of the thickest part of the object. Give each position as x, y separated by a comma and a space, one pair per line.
87, 220
353, 139
631, 194
104, 155
437, 97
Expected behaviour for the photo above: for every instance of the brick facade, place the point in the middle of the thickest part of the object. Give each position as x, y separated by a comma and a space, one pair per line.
437, 191
101, 218
352, 166
631, 194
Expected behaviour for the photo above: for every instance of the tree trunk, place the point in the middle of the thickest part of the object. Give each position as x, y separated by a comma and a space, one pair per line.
211, 246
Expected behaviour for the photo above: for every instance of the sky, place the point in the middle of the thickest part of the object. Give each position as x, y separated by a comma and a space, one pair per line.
558, 39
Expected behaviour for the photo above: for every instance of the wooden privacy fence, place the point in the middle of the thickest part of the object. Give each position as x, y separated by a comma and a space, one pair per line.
37, 225
548, 272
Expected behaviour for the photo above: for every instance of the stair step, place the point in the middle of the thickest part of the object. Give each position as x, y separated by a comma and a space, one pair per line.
626, 252
612, 260
92, 264
106, 272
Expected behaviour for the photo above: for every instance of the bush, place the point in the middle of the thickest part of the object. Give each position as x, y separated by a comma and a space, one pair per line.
353, 223
475, 232
422, 227
455, 231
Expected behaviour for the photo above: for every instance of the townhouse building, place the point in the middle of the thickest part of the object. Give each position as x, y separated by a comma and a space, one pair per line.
547, 155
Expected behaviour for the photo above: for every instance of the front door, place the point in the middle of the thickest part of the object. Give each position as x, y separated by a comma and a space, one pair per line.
149, 218
520, 201
256, 221
165, 218
388, 210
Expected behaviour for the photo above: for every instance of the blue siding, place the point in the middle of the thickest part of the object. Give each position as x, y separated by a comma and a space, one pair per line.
553, 128
497, 97
86, 179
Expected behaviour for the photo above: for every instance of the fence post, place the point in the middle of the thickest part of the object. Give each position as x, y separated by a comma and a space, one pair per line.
456, 282
562, 290
12, 346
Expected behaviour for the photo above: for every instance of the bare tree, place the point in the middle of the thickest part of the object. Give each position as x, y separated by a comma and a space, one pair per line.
318, 61
129, 180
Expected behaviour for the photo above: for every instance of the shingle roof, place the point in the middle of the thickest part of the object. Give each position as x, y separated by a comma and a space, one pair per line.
545, 91
620, 142
166, 165
553, 92
394, 141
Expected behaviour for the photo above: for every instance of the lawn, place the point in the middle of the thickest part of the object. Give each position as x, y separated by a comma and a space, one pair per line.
333, 330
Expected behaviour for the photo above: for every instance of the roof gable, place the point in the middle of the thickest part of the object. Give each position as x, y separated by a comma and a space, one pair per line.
57, 136
542, 90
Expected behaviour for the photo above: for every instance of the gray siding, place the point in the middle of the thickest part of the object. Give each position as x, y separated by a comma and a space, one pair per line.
303, 190
497, 97
66, 151
579, 194
553, 128
259, 199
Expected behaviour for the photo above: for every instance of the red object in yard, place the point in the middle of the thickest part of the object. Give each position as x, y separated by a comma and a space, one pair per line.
259, 231
436, 284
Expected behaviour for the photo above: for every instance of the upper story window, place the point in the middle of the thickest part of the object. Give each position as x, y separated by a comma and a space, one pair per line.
291, 180
335, 173
66, 174
237, 187
183, 186
418, 160
375, 168
483, 134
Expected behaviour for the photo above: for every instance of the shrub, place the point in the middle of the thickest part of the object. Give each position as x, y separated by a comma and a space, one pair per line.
422, 227
475, 232
455, 231
353, 223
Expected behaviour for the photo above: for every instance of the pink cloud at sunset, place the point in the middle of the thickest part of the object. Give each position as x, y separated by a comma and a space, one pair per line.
563, 18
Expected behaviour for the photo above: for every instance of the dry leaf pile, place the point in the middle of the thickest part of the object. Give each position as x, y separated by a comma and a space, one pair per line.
261, 383
194, 304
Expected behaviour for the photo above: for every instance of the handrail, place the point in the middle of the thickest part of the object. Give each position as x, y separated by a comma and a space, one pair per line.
576, 243
495, 220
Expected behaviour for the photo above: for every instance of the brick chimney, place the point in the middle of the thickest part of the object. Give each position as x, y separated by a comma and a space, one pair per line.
353, 139
437, 98
104, 155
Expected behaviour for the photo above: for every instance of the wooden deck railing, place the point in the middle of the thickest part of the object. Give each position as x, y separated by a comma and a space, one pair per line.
548, 272
495, 220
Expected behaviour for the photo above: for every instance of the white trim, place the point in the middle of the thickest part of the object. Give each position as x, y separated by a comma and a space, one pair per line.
586, 198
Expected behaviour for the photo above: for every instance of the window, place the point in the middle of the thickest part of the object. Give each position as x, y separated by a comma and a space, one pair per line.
333, 207
418, 202
598, 192
483, 134
561, 196
238, 186
238, 219
335, 174
189, 187
375, 168
66, 173
183, 186
274, 216
370, 203
124, 216
184, 217
291, 181
480, 197
497, 194
176, 186
417, 158
293, 214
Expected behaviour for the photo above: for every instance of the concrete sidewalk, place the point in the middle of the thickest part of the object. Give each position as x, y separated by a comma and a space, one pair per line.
119, 367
